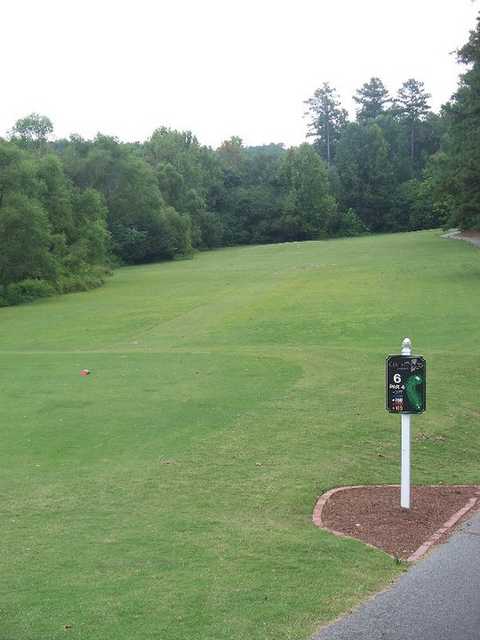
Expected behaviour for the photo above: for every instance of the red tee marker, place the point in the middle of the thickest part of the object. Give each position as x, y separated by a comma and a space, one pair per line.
85, 372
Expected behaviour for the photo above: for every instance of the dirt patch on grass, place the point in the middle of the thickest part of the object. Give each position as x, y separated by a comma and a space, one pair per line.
374, 515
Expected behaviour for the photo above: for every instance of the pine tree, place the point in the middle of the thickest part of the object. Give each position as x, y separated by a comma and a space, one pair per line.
327, 119
371, 98
412, 105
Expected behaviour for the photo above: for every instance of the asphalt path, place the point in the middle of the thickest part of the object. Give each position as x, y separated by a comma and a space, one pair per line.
437, 599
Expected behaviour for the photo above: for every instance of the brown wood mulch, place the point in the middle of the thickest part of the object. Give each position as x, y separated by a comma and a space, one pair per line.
471, 236
373, 515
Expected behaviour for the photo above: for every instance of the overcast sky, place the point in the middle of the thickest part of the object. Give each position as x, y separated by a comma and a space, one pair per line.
216, 67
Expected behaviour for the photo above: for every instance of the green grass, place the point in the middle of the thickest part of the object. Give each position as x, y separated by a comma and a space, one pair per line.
169, 494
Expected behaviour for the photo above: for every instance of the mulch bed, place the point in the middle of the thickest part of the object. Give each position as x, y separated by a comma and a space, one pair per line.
470, 236
373, 515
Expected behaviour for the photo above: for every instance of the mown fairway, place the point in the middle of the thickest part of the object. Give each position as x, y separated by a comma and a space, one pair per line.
169, 494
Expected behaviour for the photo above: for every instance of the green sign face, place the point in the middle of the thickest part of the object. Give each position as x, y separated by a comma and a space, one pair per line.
406, 384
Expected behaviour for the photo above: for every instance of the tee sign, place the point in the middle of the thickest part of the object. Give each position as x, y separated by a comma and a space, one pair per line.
406, 384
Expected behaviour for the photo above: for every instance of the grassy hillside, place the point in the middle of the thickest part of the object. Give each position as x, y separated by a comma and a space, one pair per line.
169, 494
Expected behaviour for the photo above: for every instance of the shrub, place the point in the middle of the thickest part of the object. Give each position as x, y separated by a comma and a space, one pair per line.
344, 223
27, 291
88, 279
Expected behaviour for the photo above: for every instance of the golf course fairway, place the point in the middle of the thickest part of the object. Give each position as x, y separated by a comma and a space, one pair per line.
168, 495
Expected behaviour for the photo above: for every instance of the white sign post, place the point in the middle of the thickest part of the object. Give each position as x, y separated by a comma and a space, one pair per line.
405, 418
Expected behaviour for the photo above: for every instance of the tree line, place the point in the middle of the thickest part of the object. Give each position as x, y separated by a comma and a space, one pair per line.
71, 209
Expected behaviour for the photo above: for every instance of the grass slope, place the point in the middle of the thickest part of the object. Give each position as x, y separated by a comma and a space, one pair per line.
169, 494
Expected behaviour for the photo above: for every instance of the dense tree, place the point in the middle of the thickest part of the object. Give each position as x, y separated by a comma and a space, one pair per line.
142, 225
25, 240
91, 239
56, 195
416, 207
17, 172
178, 158
396, 135
190, 178
25, 231
136, 204
327, 119
250, 201
462, 172
372, 98
32, 131
412, 106
67, 205
232, 156
438, 186
52, 237
366, 175
308, 202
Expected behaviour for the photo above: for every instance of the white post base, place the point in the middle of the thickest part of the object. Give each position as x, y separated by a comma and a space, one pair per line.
405, 487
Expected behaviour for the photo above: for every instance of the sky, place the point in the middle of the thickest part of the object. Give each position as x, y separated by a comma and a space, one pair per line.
216, 67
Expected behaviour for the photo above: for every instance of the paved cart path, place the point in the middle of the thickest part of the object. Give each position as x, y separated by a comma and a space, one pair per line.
437, 599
